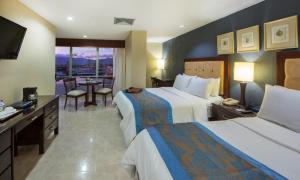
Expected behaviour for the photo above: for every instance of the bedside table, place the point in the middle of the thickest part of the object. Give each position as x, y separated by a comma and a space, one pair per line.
156, 82
223, 112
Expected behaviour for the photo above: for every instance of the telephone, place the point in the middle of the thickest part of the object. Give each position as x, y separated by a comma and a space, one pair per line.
231, 102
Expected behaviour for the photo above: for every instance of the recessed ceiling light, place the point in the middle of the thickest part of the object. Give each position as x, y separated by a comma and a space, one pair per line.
70, 18
181, 26
85, 36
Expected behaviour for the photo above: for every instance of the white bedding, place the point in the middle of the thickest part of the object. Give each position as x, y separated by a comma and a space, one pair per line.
253, 136
185, 108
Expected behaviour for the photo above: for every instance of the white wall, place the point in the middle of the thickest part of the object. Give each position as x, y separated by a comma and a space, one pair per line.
136, 59
35, 65
128, 60
154, 52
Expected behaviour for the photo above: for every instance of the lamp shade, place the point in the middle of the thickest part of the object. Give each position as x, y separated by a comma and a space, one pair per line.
160, 64
243, 71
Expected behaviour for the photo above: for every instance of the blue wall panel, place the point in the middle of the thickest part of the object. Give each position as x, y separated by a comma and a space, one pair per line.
201, 42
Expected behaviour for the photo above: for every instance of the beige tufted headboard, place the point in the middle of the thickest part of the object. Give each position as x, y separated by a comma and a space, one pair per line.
292, 73
212, 67
288, 69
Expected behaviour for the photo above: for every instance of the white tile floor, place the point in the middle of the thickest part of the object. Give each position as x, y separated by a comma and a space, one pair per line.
89, 146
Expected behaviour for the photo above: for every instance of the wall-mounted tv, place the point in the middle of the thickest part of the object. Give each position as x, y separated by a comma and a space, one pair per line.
11, 38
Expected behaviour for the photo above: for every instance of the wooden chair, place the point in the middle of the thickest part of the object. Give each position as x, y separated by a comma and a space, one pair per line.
104, 91
72, 91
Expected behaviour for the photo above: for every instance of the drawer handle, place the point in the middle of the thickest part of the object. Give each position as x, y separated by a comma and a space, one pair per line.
224, 117
52, 128
53, 106
33, 119
2, 124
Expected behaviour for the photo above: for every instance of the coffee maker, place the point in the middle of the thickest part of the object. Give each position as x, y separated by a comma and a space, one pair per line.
30, 94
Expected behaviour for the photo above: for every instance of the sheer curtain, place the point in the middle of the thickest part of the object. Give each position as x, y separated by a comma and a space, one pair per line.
119, 69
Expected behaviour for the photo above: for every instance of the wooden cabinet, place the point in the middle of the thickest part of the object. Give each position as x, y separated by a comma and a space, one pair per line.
6, 158
35, 126
52, 127
222, 112
52, 106
28, 120
51, 117
5, 140
27, 128
6, 175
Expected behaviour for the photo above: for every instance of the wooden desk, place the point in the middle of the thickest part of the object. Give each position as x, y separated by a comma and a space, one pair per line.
25, 129
157, 82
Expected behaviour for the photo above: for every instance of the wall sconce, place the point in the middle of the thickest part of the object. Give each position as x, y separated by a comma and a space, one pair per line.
161, 64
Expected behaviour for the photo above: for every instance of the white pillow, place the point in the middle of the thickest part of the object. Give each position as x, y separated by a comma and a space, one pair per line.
281, 106
181, 82
215, 91
188, 76
199, 87
177, 82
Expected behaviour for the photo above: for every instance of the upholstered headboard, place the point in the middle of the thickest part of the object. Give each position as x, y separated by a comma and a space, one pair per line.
288, 69
211, 67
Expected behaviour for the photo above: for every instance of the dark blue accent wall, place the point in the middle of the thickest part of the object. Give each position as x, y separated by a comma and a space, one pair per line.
201, 42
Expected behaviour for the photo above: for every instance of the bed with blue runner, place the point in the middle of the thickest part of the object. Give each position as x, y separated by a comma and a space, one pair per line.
191, 151
149, 109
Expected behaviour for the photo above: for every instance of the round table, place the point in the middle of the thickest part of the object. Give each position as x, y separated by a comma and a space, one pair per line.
89, 84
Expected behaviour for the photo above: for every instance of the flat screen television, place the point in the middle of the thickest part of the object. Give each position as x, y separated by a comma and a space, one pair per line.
11, 38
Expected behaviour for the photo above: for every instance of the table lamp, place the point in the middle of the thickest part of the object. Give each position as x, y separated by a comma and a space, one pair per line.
243, 72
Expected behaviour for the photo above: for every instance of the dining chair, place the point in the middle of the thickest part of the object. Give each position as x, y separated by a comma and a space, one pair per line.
72, 91
104, 91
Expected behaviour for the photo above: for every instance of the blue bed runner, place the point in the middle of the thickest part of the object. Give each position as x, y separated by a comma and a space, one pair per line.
149, 109
191, 151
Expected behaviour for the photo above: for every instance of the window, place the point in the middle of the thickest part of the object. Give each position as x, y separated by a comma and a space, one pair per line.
62, 57
105, 62
84, 61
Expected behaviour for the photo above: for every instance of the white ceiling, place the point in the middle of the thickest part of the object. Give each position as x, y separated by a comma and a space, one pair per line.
160, 18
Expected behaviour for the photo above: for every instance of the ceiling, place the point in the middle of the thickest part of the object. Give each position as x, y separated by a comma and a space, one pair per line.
160, 18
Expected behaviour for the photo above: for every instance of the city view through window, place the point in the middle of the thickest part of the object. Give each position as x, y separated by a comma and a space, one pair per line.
85, 61
62, 57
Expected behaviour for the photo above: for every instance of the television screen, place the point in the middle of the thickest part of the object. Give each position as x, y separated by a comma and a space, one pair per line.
11, 38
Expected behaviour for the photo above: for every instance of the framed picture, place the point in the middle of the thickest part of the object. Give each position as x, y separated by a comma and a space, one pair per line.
281, 34
225, 43
248, 39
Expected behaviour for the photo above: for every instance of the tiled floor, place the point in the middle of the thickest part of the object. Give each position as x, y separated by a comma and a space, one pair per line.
89, 146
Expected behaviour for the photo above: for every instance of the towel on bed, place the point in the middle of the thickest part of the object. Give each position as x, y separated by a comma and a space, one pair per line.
149, 109
191, 151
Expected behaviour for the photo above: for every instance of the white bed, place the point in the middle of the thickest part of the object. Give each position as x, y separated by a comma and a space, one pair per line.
274, 146
185, 108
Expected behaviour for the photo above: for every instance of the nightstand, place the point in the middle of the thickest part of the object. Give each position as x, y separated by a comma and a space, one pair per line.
223, 112
156, 82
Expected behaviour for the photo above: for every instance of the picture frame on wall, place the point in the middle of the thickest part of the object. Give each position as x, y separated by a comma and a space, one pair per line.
281, 34
248, 39
225, 43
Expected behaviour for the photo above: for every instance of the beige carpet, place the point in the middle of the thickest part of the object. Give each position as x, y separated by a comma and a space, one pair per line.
89, 146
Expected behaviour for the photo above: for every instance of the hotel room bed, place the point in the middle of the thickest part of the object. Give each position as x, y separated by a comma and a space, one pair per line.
182, 106
185, 108
269, 144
